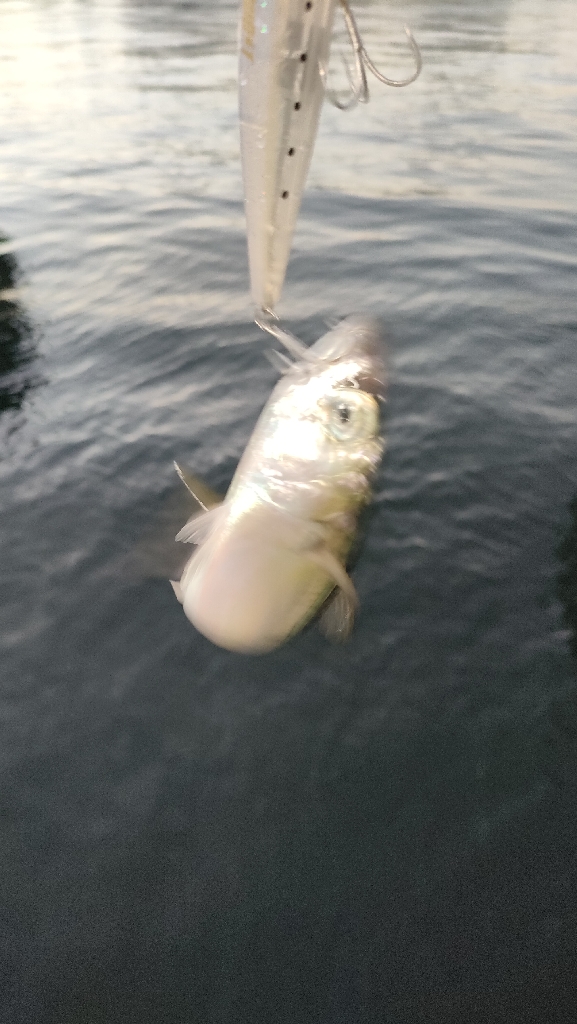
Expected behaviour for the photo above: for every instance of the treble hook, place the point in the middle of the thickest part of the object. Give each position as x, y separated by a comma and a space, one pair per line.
360, 88
269, 322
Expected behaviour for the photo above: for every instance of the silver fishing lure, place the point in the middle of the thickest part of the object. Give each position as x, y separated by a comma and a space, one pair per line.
283, 58
270, 554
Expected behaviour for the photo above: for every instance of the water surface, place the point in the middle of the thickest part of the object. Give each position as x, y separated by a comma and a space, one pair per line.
383, 831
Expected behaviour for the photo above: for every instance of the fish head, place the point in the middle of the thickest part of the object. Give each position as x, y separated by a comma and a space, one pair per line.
352, 355
338, 388
318, 439
351, 383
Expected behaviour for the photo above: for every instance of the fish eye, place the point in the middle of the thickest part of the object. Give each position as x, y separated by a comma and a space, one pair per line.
352, 415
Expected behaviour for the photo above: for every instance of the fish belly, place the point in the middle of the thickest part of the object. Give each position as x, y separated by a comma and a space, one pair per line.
284, 50
248, 595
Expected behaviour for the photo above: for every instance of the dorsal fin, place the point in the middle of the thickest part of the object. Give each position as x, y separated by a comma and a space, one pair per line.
201, 492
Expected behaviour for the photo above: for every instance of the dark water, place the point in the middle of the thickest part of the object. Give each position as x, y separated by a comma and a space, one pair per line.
382, 832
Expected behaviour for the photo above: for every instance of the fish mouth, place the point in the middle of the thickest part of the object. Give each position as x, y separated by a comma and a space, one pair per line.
358, 343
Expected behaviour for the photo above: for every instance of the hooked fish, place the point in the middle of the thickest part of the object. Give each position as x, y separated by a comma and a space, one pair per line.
284, 48
269, 555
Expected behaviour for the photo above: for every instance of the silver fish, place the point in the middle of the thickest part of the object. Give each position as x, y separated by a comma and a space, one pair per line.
270, 554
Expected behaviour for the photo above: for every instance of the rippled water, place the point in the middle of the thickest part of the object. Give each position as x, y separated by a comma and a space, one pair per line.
384, 831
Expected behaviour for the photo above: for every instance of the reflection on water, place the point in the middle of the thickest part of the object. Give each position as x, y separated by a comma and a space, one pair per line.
16, 349
567, 578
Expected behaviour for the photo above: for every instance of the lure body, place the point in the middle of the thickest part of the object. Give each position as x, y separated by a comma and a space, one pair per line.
284, 51
272, 552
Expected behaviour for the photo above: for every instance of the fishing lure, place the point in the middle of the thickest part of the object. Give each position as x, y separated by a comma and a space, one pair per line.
284, 51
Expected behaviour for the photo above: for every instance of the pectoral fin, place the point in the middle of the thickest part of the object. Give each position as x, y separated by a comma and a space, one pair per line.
204, 495
337, 617
336, 571
177, 590
200, 526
